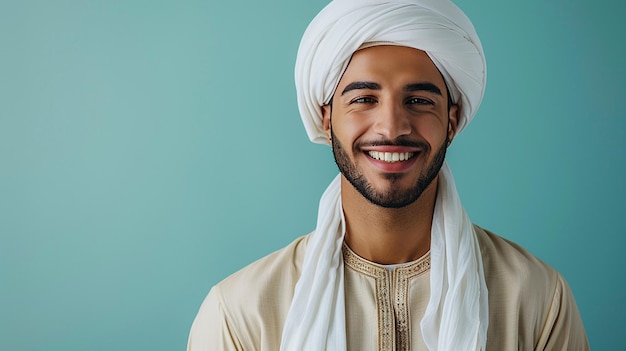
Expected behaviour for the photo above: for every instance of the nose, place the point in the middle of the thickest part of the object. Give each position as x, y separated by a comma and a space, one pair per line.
392, 121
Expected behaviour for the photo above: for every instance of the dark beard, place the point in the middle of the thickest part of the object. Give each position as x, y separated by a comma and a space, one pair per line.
395, 198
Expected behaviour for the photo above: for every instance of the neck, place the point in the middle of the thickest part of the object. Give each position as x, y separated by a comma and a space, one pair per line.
388, 235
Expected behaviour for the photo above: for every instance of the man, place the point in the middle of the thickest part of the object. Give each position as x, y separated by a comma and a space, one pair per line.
394, 262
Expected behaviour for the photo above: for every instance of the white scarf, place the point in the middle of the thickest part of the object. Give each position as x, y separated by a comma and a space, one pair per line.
456, 317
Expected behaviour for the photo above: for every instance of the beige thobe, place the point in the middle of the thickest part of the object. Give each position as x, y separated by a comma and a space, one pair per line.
530, 305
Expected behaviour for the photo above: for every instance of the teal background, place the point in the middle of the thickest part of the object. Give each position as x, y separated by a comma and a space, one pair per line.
150, 148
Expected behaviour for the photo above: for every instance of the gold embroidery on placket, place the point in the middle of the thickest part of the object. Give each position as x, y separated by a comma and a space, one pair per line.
386, 334
393, 318
403, 276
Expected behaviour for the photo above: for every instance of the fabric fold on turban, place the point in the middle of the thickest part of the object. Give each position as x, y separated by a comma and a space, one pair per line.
456, 317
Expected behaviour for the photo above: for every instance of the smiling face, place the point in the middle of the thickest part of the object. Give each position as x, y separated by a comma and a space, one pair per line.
390, 124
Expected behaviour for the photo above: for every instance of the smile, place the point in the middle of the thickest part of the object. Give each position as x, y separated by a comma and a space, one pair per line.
390, 157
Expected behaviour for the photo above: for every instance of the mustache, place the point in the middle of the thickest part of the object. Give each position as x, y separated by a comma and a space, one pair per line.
401, 141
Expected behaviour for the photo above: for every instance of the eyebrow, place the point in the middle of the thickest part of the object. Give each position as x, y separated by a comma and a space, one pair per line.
360, 85
430, 87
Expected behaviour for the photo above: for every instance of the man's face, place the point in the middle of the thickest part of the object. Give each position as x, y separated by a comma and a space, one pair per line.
390, 124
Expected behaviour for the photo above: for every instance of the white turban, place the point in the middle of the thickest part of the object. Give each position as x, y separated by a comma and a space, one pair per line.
437, 27
456, 317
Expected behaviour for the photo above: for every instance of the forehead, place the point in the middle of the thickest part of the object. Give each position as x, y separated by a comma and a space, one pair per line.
391, 65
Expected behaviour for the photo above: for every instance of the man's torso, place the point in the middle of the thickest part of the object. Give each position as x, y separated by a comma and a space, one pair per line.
530, 306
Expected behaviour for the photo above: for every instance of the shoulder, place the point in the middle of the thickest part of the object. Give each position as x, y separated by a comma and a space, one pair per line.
503, 258
247, 309
513, 275
530, 303
267, 274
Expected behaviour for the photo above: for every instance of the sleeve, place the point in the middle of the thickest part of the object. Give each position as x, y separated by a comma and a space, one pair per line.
563, 329
211, 330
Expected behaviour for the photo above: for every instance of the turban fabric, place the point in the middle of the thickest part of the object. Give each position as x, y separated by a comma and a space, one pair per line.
456, 317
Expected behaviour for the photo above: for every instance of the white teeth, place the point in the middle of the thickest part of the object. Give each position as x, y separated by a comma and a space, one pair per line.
391, 156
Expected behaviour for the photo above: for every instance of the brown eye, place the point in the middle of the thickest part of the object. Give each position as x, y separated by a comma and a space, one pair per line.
419, 101
363, 100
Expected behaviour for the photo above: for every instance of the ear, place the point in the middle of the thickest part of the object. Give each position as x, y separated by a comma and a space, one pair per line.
453, 122
326, 113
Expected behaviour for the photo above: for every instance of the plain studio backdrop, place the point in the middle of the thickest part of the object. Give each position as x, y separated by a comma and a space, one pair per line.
148, 149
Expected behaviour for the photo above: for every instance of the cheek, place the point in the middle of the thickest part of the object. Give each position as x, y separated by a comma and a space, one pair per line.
349, 129
433, 130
